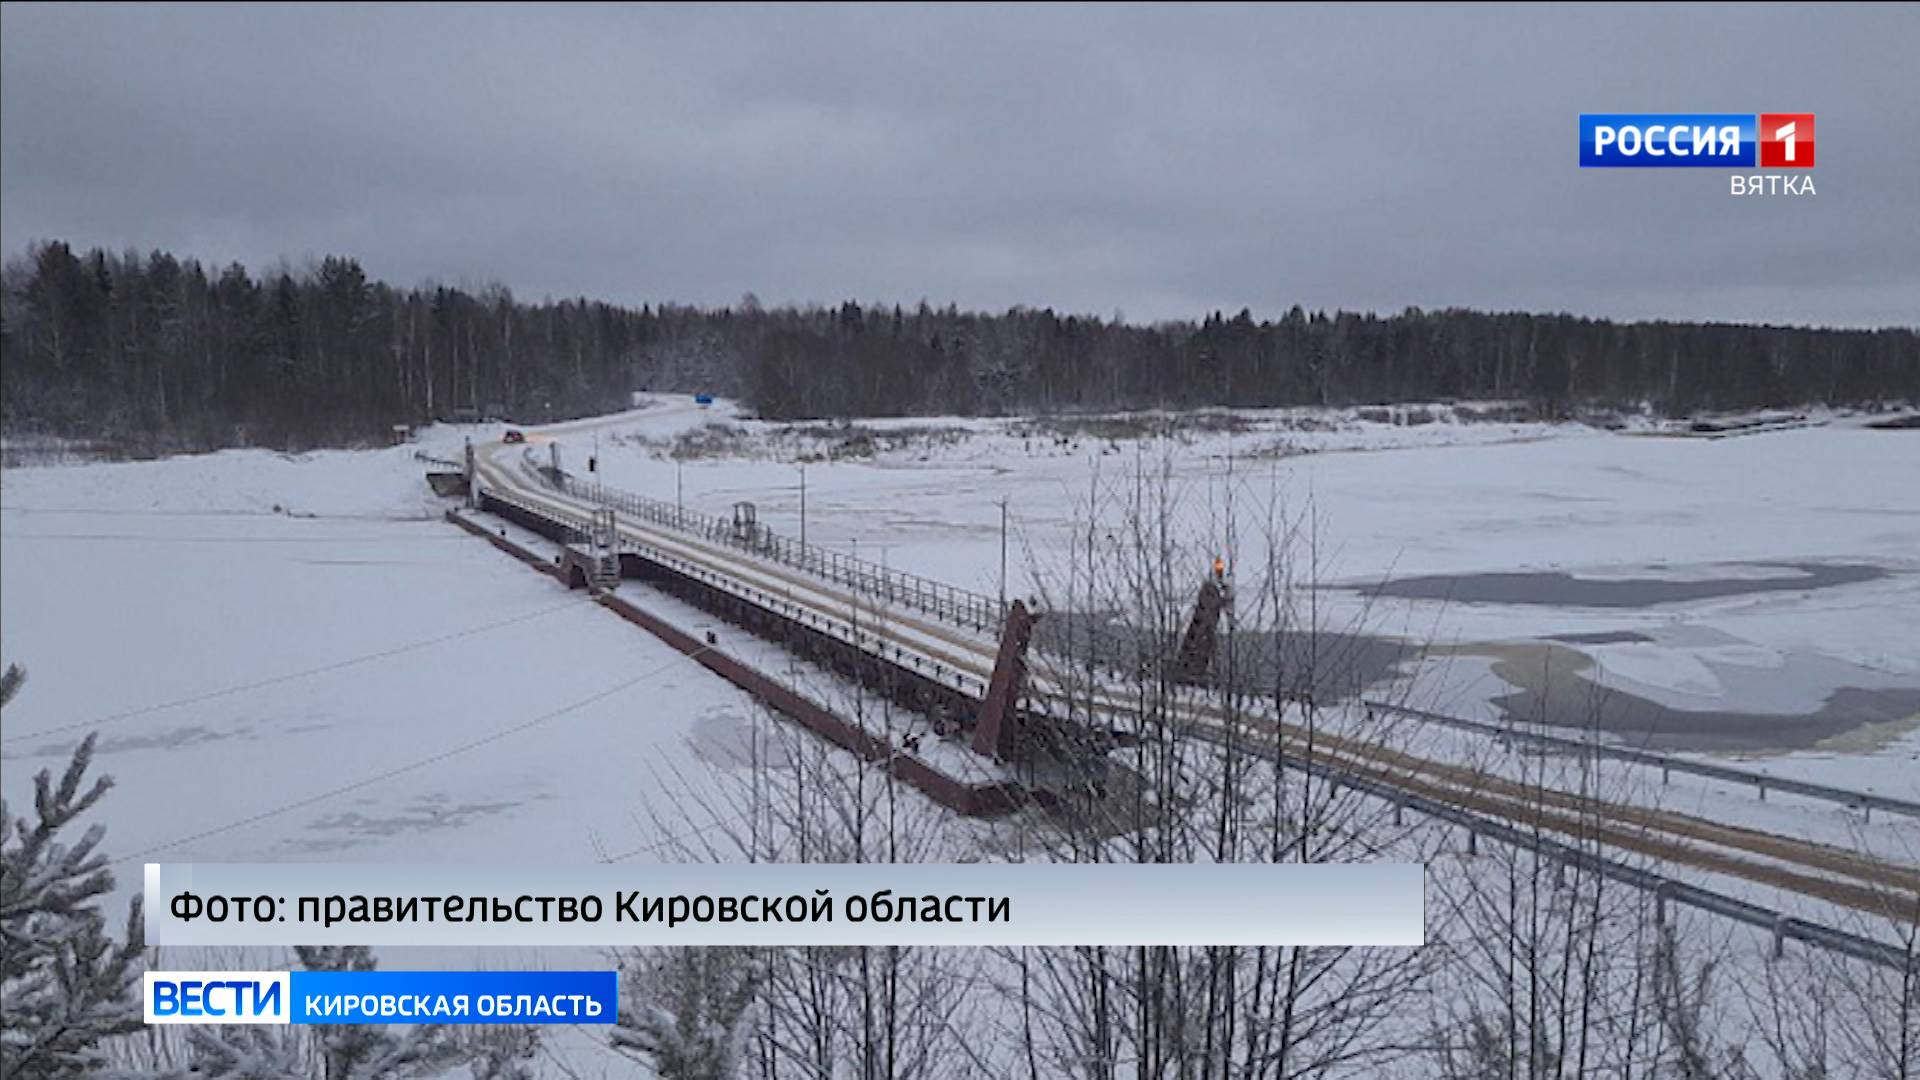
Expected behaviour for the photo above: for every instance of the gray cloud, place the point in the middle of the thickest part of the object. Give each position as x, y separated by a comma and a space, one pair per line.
1159, 161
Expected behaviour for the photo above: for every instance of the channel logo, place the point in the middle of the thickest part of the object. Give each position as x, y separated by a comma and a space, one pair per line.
218, 997
381, 997
1696, 140
1786, 140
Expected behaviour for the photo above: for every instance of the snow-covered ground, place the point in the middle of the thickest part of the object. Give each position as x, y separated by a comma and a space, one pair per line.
150, 596
239, 661
292, 657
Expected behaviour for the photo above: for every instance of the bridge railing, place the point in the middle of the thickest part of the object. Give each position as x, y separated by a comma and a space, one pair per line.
1864, 801
953, 605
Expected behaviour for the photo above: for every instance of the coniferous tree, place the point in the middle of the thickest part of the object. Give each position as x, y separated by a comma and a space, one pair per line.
152, 354
684, 1010
357, 1051
65, 984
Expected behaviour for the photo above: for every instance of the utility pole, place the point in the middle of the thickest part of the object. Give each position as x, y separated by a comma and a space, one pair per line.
1003, 551
803, 506
679, 499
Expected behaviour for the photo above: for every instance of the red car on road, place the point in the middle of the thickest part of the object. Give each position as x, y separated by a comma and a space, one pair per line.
513, 437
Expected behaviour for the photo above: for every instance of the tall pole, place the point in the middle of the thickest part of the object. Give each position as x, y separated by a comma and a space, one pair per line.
803, 506
1003, 551
679, 501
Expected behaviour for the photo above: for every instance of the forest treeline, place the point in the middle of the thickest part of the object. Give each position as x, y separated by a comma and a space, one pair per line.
158, 352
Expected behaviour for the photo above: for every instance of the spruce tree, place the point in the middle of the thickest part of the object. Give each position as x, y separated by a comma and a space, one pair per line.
65, 984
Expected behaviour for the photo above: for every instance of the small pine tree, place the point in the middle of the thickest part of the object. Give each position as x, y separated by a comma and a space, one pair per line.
65, 984
358, 1051
249, 1052
683, 1011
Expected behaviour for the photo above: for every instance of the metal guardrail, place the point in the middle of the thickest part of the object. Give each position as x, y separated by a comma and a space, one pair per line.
422, 455
946, 602
1782, 926
1864, 801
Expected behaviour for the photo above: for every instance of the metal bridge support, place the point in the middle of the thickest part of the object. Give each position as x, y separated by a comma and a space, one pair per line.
993, 728
1196, 647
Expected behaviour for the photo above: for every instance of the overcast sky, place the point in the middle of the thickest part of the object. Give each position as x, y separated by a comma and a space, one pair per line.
1159, 162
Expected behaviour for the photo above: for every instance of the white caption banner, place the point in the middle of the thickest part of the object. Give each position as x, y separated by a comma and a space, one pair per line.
233, 904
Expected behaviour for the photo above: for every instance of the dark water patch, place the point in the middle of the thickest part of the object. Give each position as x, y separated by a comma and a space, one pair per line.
1602, 637
1639, 721
1559, 589
1327, 665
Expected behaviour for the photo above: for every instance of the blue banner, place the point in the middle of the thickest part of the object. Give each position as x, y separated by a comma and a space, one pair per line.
454, 997
1667, 140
